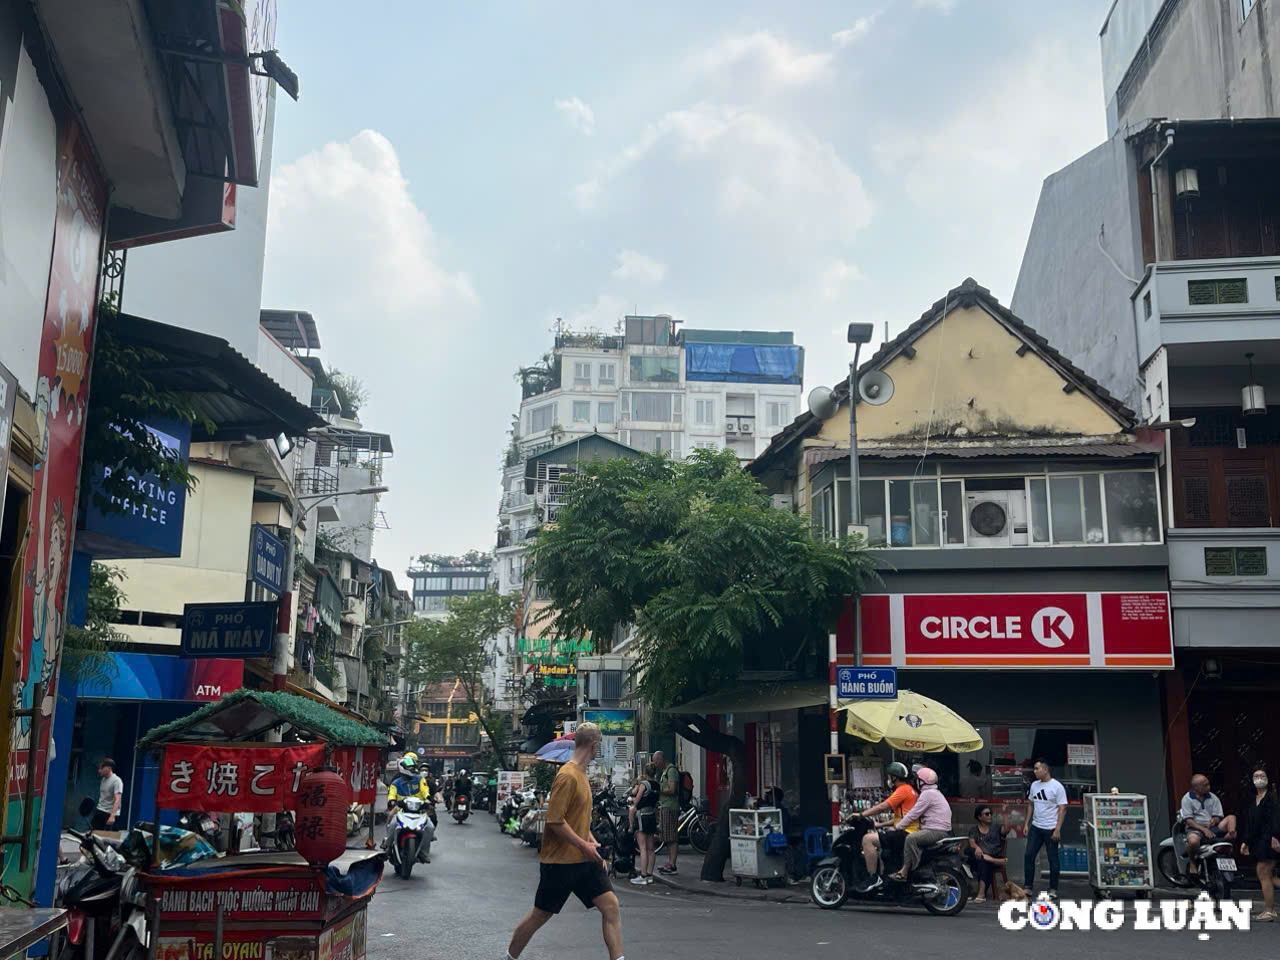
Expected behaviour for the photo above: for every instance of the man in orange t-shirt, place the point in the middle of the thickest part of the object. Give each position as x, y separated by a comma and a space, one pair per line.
571, 864
902, 799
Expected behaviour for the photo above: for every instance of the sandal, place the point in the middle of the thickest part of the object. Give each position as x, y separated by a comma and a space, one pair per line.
1266, 916
979, 899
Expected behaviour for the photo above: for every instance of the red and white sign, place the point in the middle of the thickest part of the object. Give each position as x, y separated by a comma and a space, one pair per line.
1077, 630
235, 779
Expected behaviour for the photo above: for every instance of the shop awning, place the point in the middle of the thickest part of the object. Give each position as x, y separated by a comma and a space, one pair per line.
247, 715
758, 696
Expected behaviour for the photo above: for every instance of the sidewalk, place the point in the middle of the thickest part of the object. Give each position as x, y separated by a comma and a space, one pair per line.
690, 865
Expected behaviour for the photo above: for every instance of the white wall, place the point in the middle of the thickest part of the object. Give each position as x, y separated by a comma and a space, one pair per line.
28, 161
284, 368
210, 284
213, 567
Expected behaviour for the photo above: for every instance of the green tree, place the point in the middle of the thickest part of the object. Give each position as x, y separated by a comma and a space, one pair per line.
461, 647
476, 559
351, 391
86, 655
713, 581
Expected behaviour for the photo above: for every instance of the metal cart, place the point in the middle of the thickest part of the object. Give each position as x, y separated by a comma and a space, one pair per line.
749, 843
1118, 839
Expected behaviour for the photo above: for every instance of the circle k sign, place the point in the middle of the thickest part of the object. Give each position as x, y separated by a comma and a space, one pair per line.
1010, 624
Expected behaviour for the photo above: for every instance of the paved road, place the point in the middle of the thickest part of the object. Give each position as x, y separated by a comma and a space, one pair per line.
480, 884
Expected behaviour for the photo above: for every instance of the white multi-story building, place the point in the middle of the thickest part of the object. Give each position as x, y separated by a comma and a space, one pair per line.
653, 389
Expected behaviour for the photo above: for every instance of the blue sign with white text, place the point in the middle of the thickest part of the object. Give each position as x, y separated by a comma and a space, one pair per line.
239, 630
148, 523
867, 683
266, 560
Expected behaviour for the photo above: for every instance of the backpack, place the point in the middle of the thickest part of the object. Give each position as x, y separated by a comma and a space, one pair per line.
685, 790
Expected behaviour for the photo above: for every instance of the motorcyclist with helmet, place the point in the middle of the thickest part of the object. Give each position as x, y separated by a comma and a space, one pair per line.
900, 801
411, 782
462, 787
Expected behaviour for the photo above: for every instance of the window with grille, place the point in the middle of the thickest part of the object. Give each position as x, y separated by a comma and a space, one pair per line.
1197, 502
1248, 499
1207, 292
432, 734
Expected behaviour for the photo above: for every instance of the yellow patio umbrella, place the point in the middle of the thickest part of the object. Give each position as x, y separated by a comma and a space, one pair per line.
911, 722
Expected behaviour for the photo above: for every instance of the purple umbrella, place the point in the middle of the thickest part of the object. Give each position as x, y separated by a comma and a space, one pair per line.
557, 751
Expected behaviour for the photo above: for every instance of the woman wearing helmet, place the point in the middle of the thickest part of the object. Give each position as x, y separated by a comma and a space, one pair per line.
933, 813
901, 800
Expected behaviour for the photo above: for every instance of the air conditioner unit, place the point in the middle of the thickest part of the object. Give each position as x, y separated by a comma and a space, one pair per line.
781, 501
746, 426
731, 425
997, 518
349, 588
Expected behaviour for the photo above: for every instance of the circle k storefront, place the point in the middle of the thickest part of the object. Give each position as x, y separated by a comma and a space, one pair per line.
1060, 664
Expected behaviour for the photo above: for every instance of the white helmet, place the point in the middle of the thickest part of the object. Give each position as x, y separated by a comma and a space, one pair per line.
408, 765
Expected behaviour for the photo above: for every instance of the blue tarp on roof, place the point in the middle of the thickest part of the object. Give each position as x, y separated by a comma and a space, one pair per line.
744, 363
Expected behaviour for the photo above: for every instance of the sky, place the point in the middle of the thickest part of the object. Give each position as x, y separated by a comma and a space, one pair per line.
457, 176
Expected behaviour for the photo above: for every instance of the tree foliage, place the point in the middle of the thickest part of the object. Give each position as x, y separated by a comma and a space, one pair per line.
121, 403
351, 390
712, 579
86, 655
474, 559
461, 646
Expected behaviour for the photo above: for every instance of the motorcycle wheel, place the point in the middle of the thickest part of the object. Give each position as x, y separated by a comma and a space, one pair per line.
952, 897
1219, 887
1167, 862
134, 951
408, 855
700, 835
829, 889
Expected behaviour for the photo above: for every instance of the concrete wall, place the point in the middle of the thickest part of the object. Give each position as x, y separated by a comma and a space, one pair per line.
284, 368
210, 284
28, 168
1206, 62
214, 563
1067, 289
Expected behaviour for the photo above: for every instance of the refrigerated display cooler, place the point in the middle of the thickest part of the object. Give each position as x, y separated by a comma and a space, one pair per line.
1118, 838
757, 845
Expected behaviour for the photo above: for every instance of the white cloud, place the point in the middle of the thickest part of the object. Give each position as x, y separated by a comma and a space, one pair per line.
777, 61
602, 315
580, 116
347, 241
835, 276
942, 6
851, 35
755, 165
636, 266
977, 168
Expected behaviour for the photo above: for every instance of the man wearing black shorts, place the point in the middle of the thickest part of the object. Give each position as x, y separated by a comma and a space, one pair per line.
570, 862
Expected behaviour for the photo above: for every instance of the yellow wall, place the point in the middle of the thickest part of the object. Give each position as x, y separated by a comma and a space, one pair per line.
214, 563
982, 385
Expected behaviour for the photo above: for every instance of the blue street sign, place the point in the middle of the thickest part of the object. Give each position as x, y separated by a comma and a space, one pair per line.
266, 560
241, 630
867, 683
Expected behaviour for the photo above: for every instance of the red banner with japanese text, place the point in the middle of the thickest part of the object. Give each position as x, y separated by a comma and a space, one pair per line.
256, 779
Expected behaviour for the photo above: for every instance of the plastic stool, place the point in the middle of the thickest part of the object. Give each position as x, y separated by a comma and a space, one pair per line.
817, 844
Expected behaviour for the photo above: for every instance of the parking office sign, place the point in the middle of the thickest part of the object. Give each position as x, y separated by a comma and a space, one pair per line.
867, 683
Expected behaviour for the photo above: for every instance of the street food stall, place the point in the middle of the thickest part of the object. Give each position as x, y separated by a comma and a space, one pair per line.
266, 905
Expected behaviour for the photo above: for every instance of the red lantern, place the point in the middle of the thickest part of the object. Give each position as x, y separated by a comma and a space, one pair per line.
323, 799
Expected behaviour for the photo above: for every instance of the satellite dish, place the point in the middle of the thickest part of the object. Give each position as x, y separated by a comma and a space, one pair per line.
875, 387
822, 403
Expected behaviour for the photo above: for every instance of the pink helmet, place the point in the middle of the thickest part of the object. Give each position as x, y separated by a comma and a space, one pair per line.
927, 777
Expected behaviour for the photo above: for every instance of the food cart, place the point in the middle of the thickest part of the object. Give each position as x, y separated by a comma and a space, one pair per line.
266, 905
757, 845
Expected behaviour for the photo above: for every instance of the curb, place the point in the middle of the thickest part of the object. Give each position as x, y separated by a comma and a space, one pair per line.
706, 890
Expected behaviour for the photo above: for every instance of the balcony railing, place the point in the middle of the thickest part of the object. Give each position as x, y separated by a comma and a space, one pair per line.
316, 481
1217, 293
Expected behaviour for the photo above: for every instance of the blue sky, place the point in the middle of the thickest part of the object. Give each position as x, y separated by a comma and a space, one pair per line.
456, 176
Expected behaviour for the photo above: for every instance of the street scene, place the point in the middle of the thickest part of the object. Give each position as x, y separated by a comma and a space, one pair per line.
512, 480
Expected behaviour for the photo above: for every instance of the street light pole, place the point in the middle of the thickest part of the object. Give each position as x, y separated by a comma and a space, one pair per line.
859, 333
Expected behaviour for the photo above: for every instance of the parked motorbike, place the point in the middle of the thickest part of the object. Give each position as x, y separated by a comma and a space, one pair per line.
204, 825
1216, 867
940, 882
461, 807
529, 812
281, 838
407, 841
90, 892
695, 827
